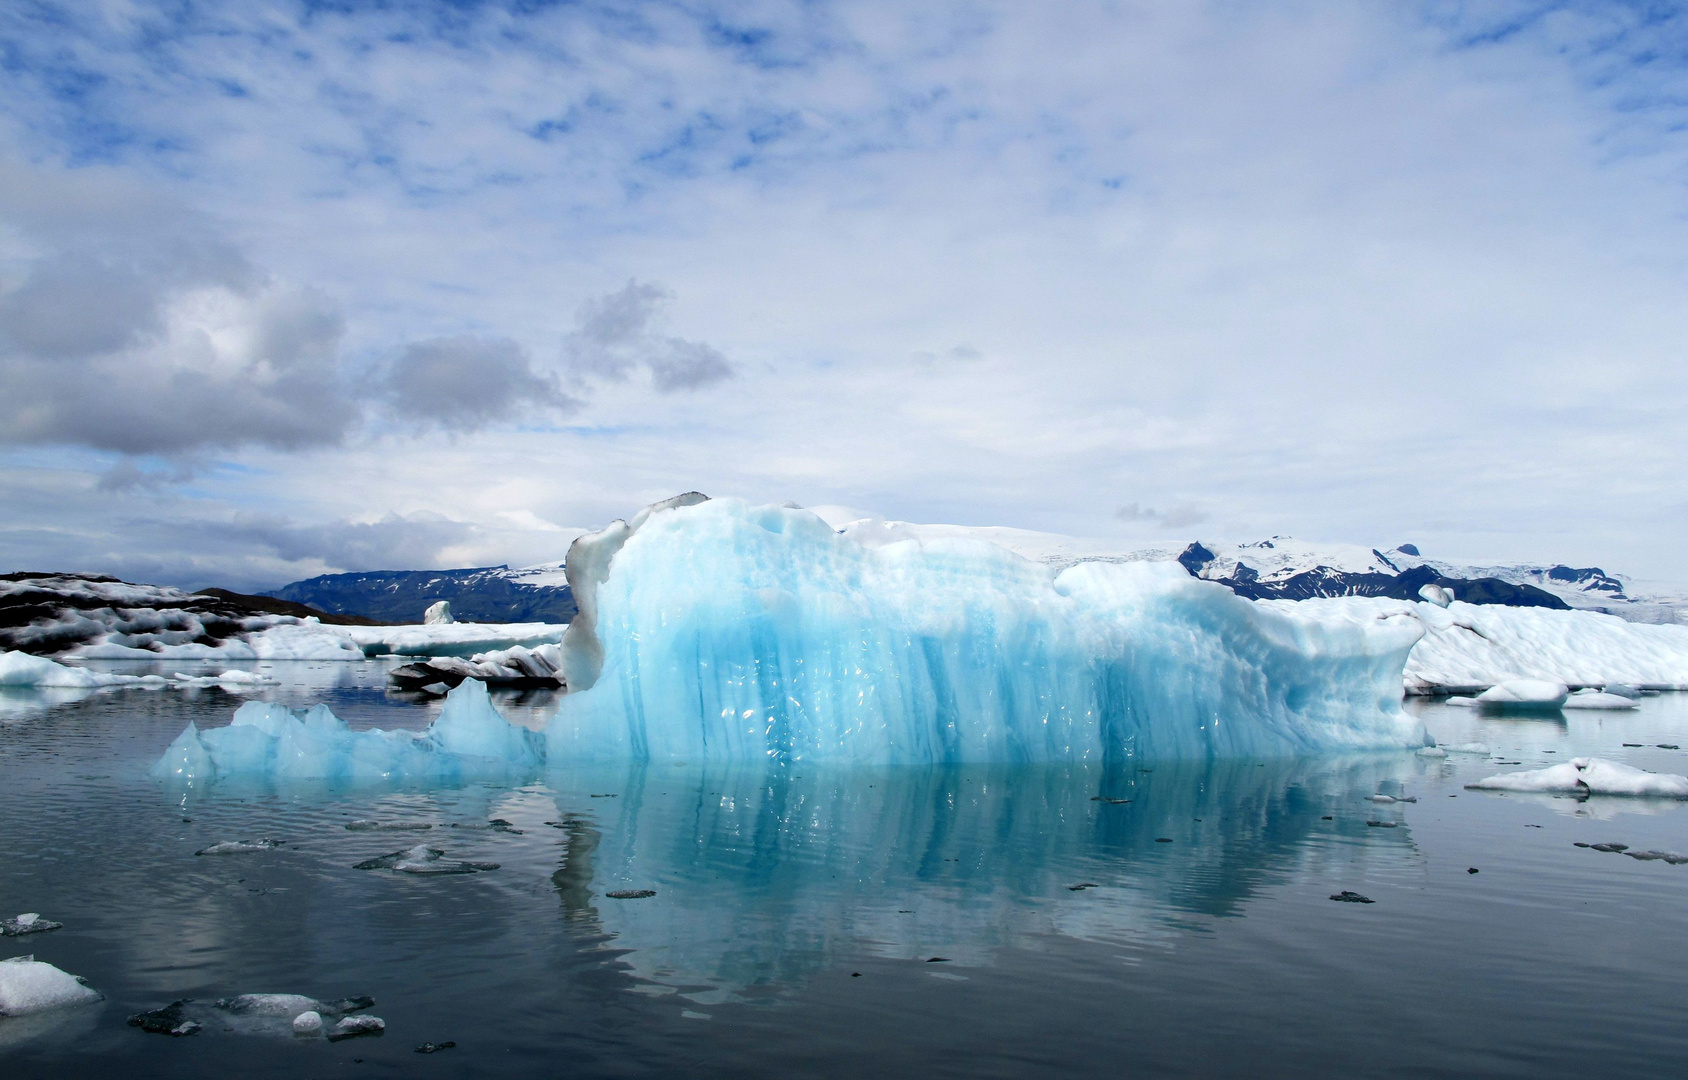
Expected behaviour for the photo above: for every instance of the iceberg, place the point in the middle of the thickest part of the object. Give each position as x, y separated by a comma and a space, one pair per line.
1591, 776
272, 741
29, 986
1524, 695
721, 631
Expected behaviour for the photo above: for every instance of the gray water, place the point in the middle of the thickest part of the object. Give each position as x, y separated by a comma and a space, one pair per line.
798, 911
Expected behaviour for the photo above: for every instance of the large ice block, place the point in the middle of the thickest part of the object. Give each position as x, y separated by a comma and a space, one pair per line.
723, 631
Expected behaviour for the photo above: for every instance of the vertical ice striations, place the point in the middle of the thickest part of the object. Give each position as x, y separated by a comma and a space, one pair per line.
722, 631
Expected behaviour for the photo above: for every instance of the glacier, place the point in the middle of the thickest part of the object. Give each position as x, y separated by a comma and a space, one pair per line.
721, 631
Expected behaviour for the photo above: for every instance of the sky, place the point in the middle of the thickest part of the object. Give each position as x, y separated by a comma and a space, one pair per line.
295, 288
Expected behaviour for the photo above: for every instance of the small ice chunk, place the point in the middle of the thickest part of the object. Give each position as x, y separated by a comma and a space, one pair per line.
438, 689
1469, 748
1624, 690
1436, 594
28, 985
1667, 856
1595, 699
1524, 694
1432, 752
308, 1023
630, 894
239, 847
270, 1004
1463, 702
422, 859
1594, 776
438, 614
171, 1019
30, 922
353, 1026
1349, 896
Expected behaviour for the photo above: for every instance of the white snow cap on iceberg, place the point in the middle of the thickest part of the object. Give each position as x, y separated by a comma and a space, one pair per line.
29, 986
1595, 776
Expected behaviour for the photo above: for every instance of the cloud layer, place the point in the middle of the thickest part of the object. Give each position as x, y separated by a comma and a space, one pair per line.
1339, 270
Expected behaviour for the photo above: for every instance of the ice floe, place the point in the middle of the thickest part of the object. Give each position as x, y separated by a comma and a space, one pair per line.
1593, 776
422, 860
270, 740
28, 985
30, 922
1595, 699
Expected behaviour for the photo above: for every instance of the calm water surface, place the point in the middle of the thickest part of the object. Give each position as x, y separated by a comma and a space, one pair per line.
798, 911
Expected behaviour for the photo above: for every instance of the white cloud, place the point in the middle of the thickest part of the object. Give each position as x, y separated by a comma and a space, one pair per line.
1343, 270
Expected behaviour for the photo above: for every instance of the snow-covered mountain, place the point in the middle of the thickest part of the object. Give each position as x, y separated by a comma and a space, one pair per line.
495, 594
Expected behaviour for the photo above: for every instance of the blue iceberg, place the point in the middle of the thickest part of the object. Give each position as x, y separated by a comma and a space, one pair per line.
470, 738
718, 631
721, 631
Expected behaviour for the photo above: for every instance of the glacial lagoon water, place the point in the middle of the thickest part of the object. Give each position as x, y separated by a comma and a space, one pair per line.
799, 914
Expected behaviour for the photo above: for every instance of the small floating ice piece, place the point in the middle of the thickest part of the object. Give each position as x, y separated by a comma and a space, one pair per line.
28, 985
240, 847
1671, 857
1594, 699
352, 1026
1524, 694
1349, 896
1624, 690
30, 922
1463, 702
308, 1023
171, 1019
1595, 776
1432, 752
1469, 748
422, 859
630, 894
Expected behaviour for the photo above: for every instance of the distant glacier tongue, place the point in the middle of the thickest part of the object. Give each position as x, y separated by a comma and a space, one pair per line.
735, 632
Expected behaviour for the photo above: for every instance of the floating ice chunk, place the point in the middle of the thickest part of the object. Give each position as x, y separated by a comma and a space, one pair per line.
289, 1005
1437, 595
723, 631
1469, 748
1595, 699
1625, 691
422, 859
232, 679
22, 669
171, 1019
438, 614
308, 1023
29, 986
240, 847
469, 738
1464, 702
30, 922
1432, 752
1524, 694
1594, 776
352, 1026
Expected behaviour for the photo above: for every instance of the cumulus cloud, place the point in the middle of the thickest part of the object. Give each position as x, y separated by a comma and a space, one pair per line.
1175, 517
130, 324
465, 382
618, 334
